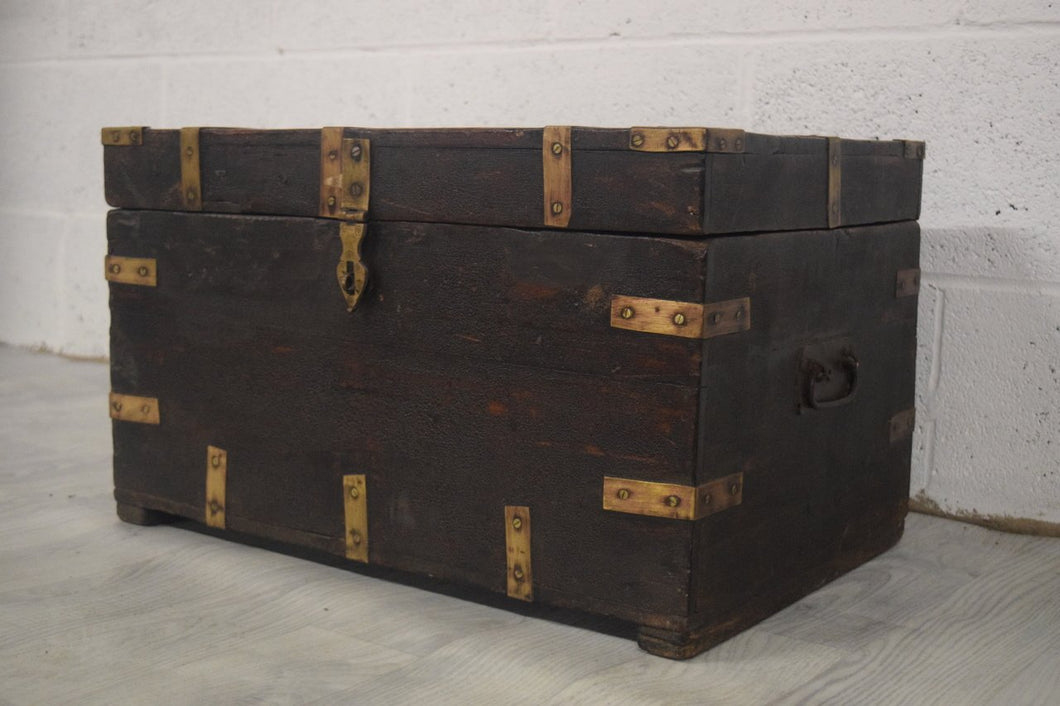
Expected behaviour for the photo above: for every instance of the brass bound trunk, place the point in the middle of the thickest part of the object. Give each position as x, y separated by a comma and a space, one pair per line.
659, 374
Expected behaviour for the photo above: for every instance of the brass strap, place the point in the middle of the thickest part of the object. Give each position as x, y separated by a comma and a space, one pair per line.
190, 170
902, 424
670, 500
122, 136
355, 504
330, 172
142, 271
835, 182
130, 408
216, 486
907, 283
684, 319
687, 139
556, 158
520, 582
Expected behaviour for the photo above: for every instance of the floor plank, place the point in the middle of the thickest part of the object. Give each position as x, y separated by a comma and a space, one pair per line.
94, 611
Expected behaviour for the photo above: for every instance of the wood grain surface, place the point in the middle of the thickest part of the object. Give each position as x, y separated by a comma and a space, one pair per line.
96, 611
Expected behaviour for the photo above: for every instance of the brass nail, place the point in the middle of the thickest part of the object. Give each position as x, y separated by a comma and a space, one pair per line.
331, 201
672, 142
115, 136
517, 572
627, 312
133, 136
738, 144
215, 507
557, 208
190, 151
706, 498
191, 195
722, 143
738, 314
115, 268
356, 190
673, 500
637, 140
354, 493
835, 160
557, 148
355, 151
117, 406
142, 270
623, 494
215, 460
734, 488
715, 318
355, 536
333, 155
146, 409
517, 522
679, 319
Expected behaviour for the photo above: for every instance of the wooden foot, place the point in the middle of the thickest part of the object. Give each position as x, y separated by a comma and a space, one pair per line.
136, 515
675, 645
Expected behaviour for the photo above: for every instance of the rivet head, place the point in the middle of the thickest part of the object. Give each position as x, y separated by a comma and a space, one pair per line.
557, 148
706, 498
215, 507
354, 493
673, 500
134, 136
190, 151
623, 494
637, 140
192, 196
835, 160
672, 141
557, 208
215, 460
115, 136
722, 143
355, 151
715, 318
117, 406
737, 144
738, 314
331, 201
333, 155
146, 409
355, 536
115, 268
627, 312
142, 270
679, 319
518, 574
356, 190
517, 522
734, 488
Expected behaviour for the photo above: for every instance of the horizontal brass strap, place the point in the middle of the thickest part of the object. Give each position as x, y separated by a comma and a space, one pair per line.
685, 319
678, 502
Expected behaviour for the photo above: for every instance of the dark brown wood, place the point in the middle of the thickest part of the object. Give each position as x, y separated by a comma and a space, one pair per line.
494, 177
137, 514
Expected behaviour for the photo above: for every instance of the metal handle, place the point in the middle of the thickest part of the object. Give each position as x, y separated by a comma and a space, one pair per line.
817, 372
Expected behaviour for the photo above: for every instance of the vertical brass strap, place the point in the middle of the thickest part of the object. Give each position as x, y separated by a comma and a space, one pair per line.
190, 171
517, 542
355, 503
556, 156
835, 183
216, 482
330, 171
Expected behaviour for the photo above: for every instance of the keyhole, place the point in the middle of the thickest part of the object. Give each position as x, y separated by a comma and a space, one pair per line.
349, 282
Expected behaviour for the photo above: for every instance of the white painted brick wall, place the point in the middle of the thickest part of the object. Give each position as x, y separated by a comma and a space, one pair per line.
978, 79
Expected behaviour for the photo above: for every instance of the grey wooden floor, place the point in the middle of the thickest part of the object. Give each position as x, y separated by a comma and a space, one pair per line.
93, 611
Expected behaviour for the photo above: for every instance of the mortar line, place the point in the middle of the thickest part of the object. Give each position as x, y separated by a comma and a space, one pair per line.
936, 342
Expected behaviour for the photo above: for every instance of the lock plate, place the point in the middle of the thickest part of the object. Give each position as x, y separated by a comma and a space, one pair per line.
351, 272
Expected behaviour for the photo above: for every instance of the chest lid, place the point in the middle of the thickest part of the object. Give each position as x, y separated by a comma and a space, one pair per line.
647, 180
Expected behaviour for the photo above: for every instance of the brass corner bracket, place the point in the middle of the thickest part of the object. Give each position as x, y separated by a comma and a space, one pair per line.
687, 139
122, 136
684, 319
673, 501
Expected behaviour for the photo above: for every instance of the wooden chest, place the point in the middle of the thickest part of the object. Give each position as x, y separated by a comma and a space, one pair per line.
664, 375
